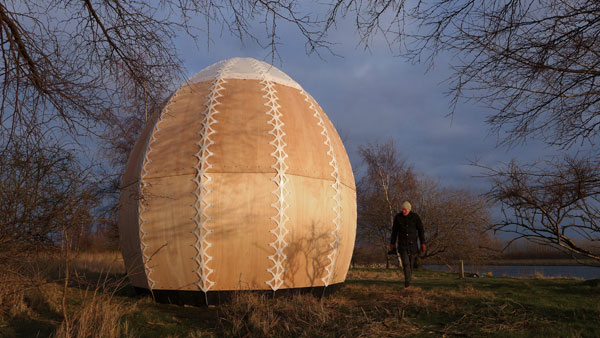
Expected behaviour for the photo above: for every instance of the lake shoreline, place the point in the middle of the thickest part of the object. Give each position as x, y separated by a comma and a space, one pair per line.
542, 271
527, 262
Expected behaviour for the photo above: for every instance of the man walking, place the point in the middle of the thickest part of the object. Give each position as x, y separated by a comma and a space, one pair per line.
407, 226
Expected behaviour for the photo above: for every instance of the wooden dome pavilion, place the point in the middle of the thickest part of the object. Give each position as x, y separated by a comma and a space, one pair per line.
241, 182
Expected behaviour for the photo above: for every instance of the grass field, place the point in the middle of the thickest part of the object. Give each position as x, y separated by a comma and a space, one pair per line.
372, 303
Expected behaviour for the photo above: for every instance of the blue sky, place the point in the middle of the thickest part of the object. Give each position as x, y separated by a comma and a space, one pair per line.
372, 95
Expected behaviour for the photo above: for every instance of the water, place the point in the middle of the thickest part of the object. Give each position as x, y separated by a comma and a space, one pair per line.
573, 271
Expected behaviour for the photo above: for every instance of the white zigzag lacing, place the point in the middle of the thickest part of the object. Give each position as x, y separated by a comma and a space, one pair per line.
281, 179
142, 187
202, 181
336, 186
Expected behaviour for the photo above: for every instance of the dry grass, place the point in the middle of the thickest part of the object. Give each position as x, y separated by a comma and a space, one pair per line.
466, 310
381, 275
373, 303
380, 315
539, 275
98, 313
257, 315
469, 292
99, 316
12, 295
23, 291
30, 288
101, 262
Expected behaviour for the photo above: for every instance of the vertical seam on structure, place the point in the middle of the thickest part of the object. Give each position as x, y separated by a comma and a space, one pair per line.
142, 187
334, 245
202, 180
280, 179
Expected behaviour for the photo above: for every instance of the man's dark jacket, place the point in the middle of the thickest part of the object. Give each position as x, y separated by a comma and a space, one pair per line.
405, 230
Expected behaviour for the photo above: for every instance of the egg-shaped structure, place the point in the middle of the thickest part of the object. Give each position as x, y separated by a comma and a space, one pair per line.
241, 182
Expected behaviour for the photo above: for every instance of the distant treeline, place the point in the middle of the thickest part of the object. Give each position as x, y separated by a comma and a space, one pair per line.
532, 251
365, 255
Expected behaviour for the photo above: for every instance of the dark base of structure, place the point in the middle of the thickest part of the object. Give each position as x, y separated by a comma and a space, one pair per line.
199, 298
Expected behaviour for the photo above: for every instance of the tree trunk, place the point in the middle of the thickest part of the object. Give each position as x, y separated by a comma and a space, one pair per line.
66, 283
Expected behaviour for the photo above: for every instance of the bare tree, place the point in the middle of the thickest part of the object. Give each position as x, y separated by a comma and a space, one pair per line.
76, 65
534, 62
388, 182
62, 61
456, 223
45, 197
555, 203
536, 65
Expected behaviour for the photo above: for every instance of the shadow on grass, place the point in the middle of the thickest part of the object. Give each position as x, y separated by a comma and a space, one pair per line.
161, 320
23, 326
374, 282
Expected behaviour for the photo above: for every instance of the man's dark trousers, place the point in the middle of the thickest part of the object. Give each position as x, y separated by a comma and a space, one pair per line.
408, 261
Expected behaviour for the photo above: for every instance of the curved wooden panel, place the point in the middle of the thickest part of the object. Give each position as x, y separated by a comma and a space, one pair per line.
348, 234
311, 215
306, 149
241, 211
129, 239
169, 223
175, 141
241, 138
346, 174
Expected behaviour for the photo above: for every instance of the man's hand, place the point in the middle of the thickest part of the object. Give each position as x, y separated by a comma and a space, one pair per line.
392, 250
423, 247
